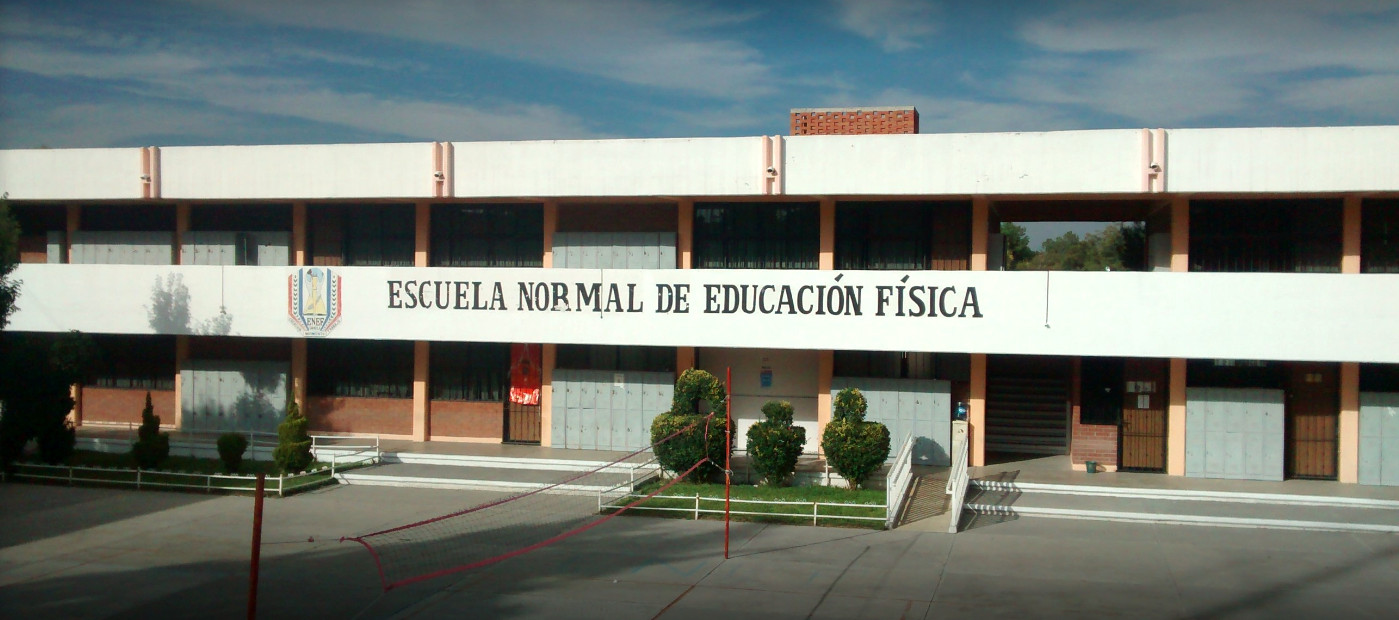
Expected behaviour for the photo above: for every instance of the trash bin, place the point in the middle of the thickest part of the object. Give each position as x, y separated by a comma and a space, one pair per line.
1092, 467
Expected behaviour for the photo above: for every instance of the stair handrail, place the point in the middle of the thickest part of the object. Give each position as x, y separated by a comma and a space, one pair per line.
957, 480
897, 480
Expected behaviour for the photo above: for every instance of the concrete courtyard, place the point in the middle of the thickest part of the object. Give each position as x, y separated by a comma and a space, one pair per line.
86, 552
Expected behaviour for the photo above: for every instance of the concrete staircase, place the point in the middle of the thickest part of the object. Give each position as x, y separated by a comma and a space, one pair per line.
992, 501
495, 473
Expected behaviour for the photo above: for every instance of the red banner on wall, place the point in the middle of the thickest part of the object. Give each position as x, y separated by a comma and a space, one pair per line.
525, 374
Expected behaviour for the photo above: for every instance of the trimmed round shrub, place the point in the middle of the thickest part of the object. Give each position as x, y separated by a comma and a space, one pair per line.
854, 447
775, 444
293, 453
691, 446
152, 447
697, 393
850, 404
231, 449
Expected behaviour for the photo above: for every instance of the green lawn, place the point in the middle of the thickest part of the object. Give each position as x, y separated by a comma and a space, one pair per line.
772, 513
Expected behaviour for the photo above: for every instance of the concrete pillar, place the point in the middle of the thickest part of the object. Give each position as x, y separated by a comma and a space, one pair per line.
1350, 235
76, 415
1175, 418
298, 234
181, 354
976, 411
684, 258
546, 394
75, 217
827, 259
685, 234
825, 369
1180, 235
422, 213
981, 218
75, 220
684, 359
181, 227
551, 224
422, 423
1348, 457
298, 373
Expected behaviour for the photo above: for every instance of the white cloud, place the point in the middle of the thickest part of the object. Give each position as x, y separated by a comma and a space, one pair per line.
897, 25
654, 44
1370, 97
1182, 62
157, 75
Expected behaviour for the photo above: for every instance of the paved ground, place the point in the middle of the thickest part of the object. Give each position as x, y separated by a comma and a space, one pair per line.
83, 552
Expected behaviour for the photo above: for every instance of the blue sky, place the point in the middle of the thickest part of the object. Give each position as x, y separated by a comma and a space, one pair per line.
284, 71
198, 72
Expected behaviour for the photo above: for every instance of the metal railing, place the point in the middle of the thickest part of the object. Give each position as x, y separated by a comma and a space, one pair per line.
957, 482
696, 509
141, 478
897, 480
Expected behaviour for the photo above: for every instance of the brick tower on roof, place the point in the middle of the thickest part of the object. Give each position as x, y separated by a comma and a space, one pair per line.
854, 121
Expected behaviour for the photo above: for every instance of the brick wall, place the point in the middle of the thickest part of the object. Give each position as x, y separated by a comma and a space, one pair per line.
124, 406
388, 416
452, 418
854, 121
1094, 442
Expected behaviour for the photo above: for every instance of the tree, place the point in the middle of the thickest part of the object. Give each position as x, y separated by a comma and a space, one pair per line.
1118, 247
775, 444
9, 259
35, 374
293, 453
1017, 242
854, 447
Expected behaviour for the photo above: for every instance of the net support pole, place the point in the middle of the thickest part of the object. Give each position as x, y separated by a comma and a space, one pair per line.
257, 546
728, 450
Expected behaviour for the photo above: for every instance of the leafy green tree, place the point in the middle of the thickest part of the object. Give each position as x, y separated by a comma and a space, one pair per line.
1017, 242
152, 446
854, 447
775, 444
293, 453
1118, 247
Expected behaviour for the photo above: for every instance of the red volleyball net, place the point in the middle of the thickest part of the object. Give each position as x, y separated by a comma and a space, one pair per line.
504, 528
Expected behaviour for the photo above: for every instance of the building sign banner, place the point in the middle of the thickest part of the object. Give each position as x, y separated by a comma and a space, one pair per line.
1276, 316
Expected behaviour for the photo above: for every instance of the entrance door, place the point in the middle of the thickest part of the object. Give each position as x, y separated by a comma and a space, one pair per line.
522, 419
521, 423
1142, 436
1313, 416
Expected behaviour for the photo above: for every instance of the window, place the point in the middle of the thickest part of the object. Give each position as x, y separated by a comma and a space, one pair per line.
379, 235
888, 235
360, 368
1379, 236
478, 235
477, 371
757, 236
134, 362
1266, 236
608, 357
902, 365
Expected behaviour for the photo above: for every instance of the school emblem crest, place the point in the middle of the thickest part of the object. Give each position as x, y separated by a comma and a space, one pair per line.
313, 300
